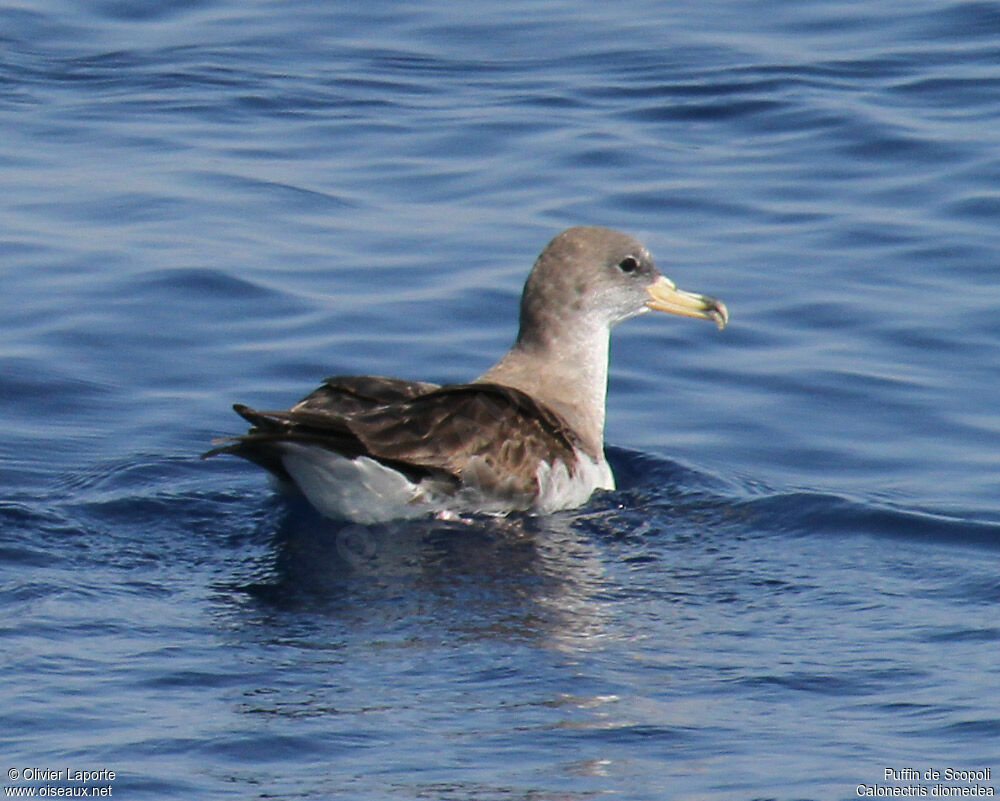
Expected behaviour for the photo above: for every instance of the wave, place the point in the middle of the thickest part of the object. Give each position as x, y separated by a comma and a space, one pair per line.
648, 483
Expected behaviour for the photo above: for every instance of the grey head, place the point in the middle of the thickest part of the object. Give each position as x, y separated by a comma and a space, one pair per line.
597, 277
587, 280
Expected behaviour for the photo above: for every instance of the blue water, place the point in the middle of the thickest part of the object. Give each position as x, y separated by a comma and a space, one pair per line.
796, 586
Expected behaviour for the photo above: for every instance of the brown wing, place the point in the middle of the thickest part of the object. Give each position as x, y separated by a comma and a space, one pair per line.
318, 414
483, 435
351, 394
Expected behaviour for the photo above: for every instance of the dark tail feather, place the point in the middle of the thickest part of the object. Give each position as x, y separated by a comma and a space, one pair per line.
261, 445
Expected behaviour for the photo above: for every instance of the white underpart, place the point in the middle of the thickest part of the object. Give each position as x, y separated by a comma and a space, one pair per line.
364, 491
360, 489
558, 488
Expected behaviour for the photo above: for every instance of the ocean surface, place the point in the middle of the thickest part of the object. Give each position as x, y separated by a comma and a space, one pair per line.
793, 594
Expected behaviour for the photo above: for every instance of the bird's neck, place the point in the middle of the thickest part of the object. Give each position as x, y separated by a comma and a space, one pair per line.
568, 372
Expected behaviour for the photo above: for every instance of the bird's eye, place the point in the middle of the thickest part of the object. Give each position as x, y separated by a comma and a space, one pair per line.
629, 264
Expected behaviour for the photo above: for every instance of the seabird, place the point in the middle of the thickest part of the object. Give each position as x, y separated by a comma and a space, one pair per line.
527, 435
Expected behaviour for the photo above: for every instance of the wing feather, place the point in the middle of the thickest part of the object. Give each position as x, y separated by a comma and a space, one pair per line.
487, 436
351, 394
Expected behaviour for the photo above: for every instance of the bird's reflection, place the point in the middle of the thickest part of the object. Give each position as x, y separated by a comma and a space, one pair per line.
521, 577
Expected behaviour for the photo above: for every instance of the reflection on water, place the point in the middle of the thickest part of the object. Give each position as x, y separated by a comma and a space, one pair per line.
522, 578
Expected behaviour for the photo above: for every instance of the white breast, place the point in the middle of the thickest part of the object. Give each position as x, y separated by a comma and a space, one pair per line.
559, 488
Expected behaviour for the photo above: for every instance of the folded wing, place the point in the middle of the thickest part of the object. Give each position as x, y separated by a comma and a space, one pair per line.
484, 436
